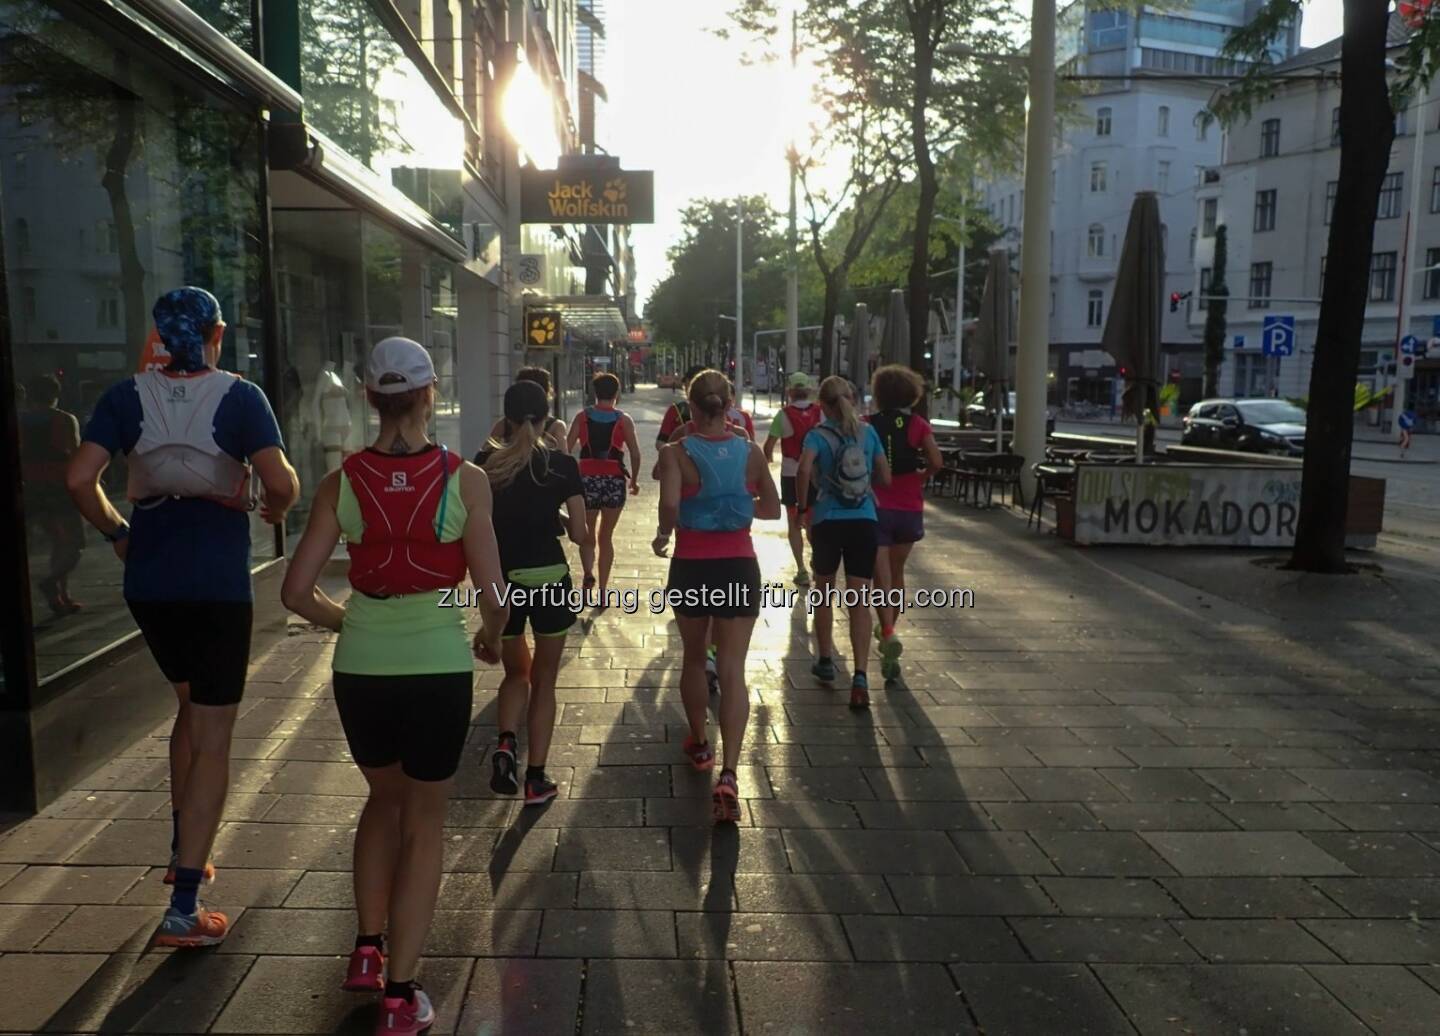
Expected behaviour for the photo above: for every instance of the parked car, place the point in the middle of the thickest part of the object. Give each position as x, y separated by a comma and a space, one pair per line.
668, 380
1251, 425
982, 416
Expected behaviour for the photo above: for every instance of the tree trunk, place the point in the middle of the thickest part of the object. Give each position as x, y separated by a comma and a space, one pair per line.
831, 310
919, 279
1367, 127
132, 271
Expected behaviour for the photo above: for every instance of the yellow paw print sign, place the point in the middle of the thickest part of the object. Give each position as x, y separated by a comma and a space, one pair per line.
615, 191
542, 329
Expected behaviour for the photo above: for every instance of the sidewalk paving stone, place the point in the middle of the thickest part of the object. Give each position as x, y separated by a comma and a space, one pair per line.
1217, 810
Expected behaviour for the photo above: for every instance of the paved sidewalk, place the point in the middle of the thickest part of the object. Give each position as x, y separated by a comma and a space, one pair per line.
1110, 800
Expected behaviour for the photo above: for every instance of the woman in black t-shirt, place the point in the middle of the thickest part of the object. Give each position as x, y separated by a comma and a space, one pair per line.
530, 482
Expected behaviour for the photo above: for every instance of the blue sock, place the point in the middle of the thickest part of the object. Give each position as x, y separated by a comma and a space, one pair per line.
187, 889
174, 831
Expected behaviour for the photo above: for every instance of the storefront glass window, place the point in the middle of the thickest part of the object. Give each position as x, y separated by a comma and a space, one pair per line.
233, 18
130, 181
363, 93
344, 282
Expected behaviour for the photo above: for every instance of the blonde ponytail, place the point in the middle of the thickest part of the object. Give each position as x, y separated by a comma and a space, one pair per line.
514, 455
836, 395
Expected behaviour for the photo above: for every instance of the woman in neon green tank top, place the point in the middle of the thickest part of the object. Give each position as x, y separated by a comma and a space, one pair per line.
415, 519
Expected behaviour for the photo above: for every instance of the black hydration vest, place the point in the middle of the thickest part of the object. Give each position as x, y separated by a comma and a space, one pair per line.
893, 427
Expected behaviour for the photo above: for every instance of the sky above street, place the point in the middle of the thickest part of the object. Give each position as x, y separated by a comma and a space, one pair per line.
683, 104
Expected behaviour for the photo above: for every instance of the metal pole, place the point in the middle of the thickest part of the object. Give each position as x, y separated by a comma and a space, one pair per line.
755, 366
1034, 338
739, 296
792, 283
1412, 246
959, 318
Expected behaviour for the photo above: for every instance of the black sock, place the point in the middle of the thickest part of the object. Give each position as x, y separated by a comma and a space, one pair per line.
400, 991
861, 673
376, 942
507, 735
534, 773
174, 831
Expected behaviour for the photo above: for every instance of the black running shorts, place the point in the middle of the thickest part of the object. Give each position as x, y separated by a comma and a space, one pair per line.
547, 616
203, 643
788, 489
419, 722
718, 588
852, 541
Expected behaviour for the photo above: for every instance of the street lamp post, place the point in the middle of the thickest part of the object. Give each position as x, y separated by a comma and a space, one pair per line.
1033, 356
739, 295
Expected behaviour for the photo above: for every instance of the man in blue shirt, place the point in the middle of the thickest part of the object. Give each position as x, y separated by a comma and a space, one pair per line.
189, 431
842, 530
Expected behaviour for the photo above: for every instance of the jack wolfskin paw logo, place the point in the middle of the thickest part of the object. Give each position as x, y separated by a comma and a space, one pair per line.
615, 191
542, 330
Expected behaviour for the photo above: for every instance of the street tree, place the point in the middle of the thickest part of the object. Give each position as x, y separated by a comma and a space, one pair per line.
1373, 90
929, 65
685, 307
1215, 308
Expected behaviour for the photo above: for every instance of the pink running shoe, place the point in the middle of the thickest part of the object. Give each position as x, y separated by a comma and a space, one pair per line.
366, 973
702, 757
726, 800
401, 1018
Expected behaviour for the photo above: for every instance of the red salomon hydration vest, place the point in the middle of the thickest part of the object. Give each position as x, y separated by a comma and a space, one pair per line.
402, 504
601, 448
801, 419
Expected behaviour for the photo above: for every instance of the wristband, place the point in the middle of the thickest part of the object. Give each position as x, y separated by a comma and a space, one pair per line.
120, 532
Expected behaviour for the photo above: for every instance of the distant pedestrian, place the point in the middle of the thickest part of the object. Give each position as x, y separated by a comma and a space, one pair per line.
49, 437
555, 429
792, 423
201, 443
604, 434
709, 486
676, 414
416, 521
913, 456
843, 457
531, 482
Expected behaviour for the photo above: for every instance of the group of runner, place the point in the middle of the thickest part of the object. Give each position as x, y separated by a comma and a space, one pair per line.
204, 448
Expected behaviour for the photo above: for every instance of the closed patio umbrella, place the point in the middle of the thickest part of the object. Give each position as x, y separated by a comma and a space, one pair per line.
1132, 329
992, 338
858, 357
895, 347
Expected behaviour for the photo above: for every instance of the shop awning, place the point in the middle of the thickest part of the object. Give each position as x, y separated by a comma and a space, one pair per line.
598, 318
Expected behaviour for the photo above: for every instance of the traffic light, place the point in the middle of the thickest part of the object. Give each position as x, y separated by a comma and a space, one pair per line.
1177, 297
1124, 372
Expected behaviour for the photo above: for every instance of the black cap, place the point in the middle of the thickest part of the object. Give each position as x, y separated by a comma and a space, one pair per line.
526, 401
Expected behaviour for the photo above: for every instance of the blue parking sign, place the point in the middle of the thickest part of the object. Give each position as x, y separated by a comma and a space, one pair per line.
1277, 335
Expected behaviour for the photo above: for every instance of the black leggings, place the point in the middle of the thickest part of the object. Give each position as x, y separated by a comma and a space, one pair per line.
419, 722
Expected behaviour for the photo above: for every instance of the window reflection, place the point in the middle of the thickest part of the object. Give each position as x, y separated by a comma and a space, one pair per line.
129, 184
362, 91
344, 282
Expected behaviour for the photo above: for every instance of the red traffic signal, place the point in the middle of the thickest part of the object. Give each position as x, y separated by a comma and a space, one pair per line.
1177, 297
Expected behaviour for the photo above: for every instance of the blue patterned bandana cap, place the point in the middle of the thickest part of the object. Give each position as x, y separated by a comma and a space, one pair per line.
184, 319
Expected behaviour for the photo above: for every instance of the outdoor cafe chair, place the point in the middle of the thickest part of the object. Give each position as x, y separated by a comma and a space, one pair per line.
1055, 481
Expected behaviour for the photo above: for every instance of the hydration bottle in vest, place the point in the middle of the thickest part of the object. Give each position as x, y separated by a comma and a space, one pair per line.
402, 505
177, 454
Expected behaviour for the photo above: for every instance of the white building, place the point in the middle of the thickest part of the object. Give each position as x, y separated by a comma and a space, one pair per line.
1273, 193
1137, 131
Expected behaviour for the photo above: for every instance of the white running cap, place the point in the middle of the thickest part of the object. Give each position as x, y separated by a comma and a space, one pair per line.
401, 358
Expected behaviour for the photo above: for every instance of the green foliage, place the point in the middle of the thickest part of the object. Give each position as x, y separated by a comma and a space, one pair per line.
1169, 395
1365, 396
684, 307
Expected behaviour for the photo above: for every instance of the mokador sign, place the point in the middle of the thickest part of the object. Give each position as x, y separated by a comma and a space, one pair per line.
1187, 505
586, 196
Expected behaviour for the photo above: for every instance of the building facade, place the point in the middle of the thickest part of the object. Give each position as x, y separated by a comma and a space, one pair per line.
344, 175
1273, 192
1145, 77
